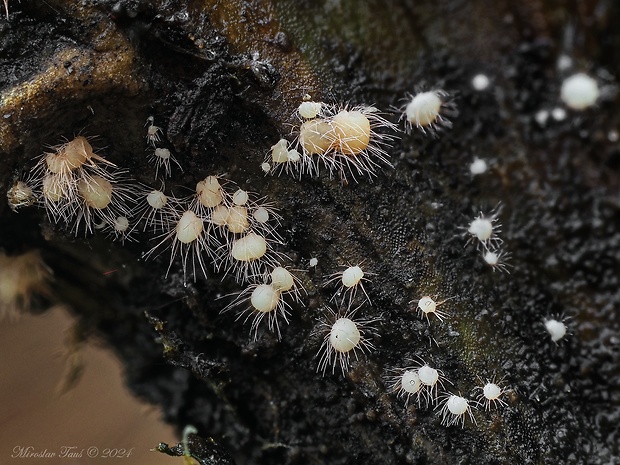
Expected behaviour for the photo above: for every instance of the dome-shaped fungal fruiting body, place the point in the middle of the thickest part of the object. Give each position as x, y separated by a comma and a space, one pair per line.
359, 144
155, 210
556, 329
78, 186
20, 195
453, 410
485, 230
429, 377
430, 380
579, 91
404, 383
349, 281
163, 158
153, 133
102, 200
229, 225
490, 394
427, 306
429, 111
347, 141
480, 82
210, 194
185, 236
343, 336
267, 300
310, 110
316, 137
283, 158
230, 214
286, 282
120, 230
497, 259
478, 166
249, 255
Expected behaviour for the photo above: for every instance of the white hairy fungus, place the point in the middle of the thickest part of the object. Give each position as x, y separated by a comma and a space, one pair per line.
20, 195
480, 82
556, 329
579, 91
240, 197
497, 260
286, 282
267, 300
478, 166
343, 336
429, 112
189, 227
120, 229
162, 157
248, 256
261, 215
155, 209
77, 184
428, 306
359, 146
350, 280
259, 301
282, 279
237, 220
352, 276
352, 129
249, 248
209, 192
153, 133
219, 215
430, 379
485, 229
490, 395
404, 383
54, 190
281, 158
121, 224
102, 201
454, 409
310, 110
316, 136
185, 236
96, 192
279, 151
72, 155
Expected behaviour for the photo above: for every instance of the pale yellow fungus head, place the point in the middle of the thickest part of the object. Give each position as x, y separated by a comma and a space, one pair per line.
316, 136
282, 279
237, 220
209, 192
352, 130
249, 248
310, 110
189, 228
279, 151
96, 192
265, 298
